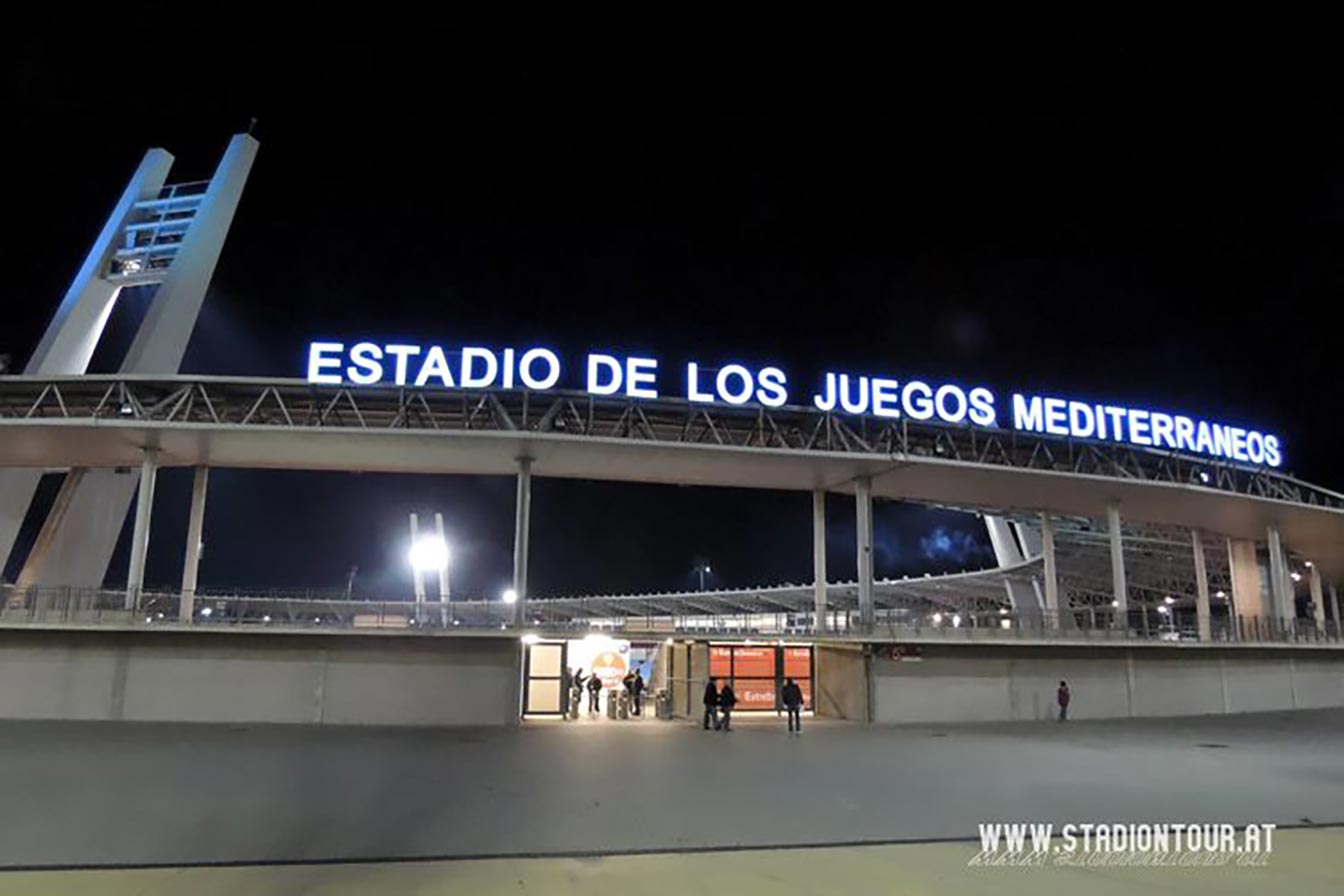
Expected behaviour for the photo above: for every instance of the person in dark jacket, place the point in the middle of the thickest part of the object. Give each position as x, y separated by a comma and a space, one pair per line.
727, 700
711, 705
792, 697
594, 688
1062, 696
637, 689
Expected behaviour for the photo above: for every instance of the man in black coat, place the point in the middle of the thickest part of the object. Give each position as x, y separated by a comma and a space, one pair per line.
727, 700
792, 696
594, 688
711, 705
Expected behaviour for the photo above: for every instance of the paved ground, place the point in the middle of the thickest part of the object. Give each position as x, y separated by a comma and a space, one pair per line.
1304, 863
80, 794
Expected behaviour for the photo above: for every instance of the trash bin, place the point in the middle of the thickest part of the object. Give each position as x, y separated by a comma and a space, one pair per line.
623, 705
663, 704
612, 708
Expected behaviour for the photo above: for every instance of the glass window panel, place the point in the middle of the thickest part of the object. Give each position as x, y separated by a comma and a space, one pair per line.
718, 661
543, 695
754, 662
544, 660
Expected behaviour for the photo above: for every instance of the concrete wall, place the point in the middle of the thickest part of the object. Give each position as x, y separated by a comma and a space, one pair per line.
976, 683
842, 683
245, 678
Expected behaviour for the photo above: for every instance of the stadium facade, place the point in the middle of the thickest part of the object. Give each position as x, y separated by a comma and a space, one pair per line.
1166, 558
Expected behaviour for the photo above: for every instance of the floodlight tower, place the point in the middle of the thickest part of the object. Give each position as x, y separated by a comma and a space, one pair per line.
168, 236
429, 553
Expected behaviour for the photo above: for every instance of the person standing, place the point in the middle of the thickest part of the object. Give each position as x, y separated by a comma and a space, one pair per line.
711, 701
727, 700
1062, 697
594, 688
637, 688
576, 693
792, 696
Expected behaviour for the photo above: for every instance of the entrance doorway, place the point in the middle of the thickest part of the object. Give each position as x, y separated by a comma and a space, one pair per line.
544, 664
599, 665
757, 673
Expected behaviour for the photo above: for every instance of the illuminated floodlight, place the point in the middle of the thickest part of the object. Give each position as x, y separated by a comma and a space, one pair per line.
1115, 605
1005, 623
1164, 610
509, 596
1308, 564
1169, 600
956, 620
1003, 611
1220, 594
429, 553
1297, 576
937, 618
531, 638
206, 612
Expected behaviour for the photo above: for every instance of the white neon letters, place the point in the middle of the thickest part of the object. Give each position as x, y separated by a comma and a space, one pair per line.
1139, 426
737, 384
915, 399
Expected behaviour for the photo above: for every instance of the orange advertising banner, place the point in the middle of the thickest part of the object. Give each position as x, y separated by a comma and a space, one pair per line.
754, 662
755, 694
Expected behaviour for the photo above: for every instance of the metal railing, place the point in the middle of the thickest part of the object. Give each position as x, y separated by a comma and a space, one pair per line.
296, 404
77, 607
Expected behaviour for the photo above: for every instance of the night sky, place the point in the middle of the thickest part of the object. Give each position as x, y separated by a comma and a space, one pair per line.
1077, 212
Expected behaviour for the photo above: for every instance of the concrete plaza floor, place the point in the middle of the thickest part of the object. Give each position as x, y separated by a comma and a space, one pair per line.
80, 794
1305, 862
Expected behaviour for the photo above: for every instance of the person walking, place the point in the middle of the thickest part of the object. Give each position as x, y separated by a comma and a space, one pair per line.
1062, 697
727, 700
711, 701
792, 696
594, 688
637, 688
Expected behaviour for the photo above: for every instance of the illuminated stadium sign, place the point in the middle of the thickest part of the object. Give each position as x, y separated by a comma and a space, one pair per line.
540, 369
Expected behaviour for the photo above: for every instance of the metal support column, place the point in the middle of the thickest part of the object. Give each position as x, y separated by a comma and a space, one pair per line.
1202, 620
1279, 597
1052, 615
195, 527
1119, 588
521, 521
1339, 619
144, 507
819, 559
863, 508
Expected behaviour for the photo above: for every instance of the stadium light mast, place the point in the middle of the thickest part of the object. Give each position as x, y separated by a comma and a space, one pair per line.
428, 553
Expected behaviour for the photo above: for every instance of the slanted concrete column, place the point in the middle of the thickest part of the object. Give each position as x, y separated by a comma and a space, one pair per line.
1317, 598
195, 528
144, 508
1202, 619
1339, 618
416, 573
1051, 571
1247, 589
1119, 589
863, 506
522, 520
1280, 597
819, 559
